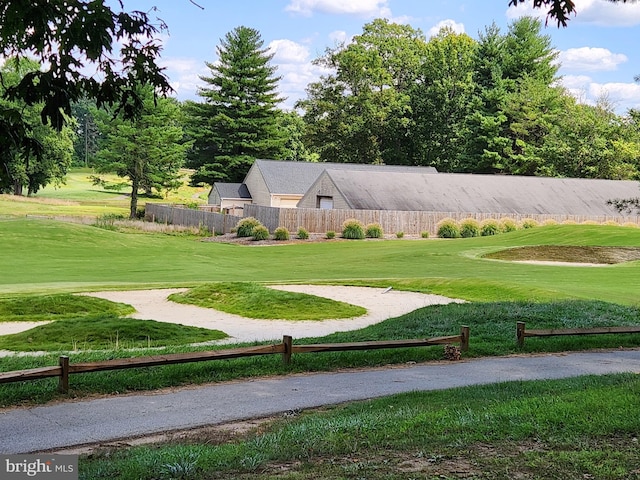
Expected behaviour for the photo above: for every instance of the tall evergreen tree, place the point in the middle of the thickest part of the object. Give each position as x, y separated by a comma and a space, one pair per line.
237, 121
516, 103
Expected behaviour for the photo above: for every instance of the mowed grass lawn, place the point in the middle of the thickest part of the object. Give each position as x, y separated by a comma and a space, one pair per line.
578, 428
49, 256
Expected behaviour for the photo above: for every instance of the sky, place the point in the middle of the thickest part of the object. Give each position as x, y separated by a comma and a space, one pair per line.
599, 50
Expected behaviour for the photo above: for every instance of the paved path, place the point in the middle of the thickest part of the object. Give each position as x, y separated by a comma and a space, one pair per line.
24, 430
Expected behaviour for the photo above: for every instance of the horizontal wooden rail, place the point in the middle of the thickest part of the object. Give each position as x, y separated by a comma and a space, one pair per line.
522, 332
286, 348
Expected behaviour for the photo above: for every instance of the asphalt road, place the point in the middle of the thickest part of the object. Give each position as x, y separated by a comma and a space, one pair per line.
75, 423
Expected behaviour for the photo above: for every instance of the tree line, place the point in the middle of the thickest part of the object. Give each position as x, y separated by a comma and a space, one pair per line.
392, 96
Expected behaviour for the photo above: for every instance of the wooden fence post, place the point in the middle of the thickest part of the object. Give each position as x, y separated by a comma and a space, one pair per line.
63, 382
464, 338
520, 327
287, 340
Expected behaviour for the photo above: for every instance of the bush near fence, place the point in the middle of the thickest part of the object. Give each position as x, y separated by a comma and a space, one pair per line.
321, 221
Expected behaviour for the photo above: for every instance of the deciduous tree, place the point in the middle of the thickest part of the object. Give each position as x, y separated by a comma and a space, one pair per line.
148, 151
29, 168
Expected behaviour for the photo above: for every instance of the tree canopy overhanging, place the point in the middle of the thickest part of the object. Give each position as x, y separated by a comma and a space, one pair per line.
559, 10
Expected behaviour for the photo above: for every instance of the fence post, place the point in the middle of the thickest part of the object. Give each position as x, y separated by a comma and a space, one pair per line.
520, 327
464, 338
63, 381
287, 340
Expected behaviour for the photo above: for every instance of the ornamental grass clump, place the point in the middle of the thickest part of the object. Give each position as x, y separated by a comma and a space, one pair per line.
508, 225
469, 227
331, 235
489, 227
281, 233
245, 227
528, 223
353, 230
303, 233
260, 233
373, 230
424, 234
448, 228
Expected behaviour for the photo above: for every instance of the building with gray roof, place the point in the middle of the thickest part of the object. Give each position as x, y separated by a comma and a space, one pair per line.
469, 193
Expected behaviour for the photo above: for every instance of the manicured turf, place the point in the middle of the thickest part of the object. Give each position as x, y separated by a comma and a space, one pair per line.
47, 255
255, 301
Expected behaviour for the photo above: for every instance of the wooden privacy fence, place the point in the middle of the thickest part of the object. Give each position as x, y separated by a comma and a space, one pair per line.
286, 349
522, 333
179, 215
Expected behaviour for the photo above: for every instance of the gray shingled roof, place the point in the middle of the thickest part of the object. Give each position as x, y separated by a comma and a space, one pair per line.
455, 192
283, 177
232, 190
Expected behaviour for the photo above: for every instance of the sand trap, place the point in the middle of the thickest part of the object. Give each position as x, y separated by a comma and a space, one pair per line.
380, 304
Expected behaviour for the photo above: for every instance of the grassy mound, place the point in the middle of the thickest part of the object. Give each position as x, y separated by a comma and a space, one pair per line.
255, 301
105, 333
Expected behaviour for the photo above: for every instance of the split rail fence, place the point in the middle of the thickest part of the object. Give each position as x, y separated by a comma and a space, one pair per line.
286, 349
522, 332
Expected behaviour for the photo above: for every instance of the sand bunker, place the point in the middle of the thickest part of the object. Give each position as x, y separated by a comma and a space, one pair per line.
380, 303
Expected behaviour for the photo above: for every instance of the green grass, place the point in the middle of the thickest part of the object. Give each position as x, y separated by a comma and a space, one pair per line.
492, 326
255, 301
575, 428
78, 197
34, 308
565, 429
105, 333
68, 257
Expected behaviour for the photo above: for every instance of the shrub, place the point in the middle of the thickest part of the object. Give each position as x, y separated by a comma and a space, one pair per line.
281, 233
448, 228
508, 225
589, 222
331, 234
260, 233
469, 227
550, 221
630, 224
611, 223
529, 223
424, 234
399, 234
569, 222
244, 228
489, 227
353, 230
373, 230
303, 234
108, 221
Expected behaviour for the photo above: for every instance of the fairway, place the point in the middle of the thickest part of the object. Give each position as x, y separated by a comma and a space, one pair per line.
51, 256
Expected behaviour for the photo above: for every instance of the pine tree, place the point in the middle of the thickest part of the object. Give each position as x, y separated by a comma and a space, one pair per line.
238, 119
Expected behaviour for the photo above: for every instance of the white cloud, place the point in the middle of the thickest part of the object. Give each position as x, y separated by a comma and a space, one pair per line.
288, 51
590, 59
595, 12
369, 8
452, 24
184, 74
608, 14
622, 95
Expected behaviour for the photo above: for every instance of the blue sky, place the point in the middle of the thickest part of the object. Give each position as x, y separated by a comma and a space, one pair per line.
599, 50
